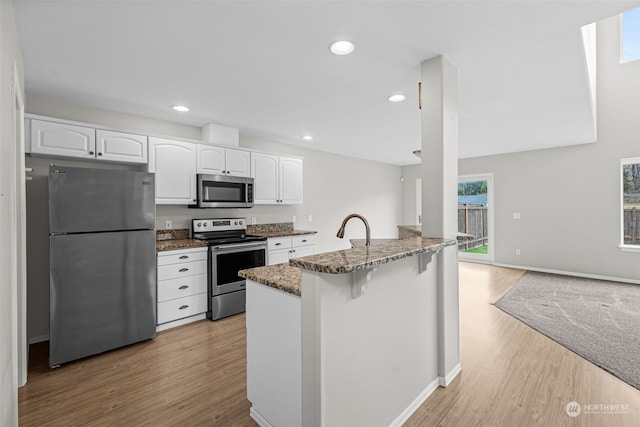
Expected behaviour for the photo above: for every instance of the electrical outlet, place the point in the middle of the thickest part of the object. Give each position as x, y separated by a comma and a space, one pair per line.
253, 220
516, 215
310, 218
517, 251
293, 219
167, 224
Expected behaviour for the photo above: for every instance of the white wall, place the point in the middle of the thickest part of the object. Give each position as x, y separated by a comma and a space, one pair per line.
8, 318
334, 186
569, 198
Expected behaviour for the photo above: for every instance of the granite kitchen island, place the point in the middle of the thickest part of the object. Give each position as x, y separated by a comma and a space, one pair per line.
345, 338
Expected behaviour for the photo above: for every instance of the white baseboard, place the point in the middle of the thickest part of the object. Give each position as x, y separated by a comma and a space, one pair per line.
262, 422
180, 322
569, 273
41, 338
404, 416
445, 381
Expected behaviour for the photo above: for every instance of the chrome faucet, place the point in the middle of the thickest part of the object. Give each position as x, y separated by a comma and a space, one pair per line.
366, 225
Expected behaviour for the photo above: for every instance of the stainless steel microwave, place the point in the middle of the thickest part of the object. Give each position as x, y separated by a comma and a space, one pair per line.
224, 191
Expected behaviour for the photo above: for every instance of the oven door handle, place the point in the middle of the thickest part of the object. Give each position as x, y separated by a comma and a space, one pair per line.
239, 245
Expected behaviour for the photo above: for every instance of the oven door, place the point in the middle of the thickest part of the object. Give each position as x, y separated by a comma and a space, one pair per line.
227, 260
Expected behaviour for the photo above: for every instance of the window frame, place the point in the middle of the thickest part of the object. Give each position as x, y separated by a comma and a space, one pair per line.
625, 247
622, 38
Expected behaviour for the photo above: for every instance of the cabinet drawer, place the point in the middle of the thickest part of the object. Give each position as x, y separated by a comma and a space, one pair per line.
182, 287
181, 307
183, 269
304, 240
175, 257
279, 243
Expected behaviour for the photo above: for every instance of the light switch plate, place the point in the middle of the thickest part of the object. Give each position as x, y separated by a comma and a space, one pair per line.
167, 224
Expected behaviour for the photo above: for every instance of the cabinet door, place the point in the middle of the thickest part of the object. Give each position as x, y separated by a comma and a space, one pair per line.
264, 168
59, 139
174, 163
211, 159
300, 251
278, 256
290, 171
121, 147
238, 162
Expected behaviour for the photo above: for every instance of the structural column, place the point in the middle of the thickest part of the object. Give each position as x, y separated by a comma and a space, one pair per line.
439, 116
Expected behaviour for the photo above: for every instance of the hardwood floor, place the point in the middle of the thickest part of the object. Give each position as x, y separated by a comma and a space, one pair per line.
195, 375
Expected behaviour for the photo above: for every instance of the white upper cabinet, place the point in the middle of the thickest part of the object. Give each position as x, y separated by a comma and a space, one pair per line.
58, 139
290, 180
264, 169
121, 147
174, 163
277, 179
224, 161
238, 162
67, 140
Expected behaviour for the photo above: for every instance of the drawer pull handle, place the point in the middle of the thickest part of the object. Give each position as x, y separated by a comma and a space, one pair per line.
278, 244
184, 257
182, 270
183, 287
183, 307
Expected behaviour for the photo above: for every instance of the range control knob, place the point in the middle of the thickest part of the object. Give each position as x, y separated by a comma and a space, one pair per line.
204, 224
235, 223
199, 224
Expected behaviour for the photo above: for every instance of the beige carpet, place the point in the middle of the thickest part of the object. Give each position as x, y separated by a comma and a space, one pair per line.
598, 320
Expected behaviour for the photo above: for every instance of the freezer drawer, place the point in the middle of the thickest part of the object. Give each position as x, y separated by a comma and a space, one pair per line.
181, 307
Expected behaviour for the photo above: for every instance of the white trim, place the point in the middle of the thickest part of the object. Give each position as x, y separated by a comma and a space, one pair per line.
180, 322
629, 248
259, 419
445, 381
39, 338
570, 273
424, 395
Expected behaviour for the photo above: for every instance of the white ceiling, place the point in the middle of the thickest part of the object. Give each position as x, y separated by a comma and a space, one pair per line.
265, 67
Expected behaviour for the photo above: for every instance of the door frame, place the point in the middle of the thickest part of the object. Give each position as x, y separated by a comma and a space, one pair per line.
19, 234
489, 257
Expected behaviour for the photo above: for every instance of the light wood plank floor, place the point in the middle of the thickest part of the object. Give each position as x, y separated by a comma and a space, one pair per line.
195, 375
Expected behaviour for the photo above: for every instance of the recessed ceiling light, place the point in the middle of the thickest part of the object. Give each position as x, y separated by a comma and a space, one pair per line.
398, 97
342, 47
307, 137
181, 108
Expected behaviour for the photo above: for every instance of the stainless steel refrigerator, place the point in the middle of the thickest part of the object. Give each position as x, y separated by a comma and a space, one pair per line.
102, 260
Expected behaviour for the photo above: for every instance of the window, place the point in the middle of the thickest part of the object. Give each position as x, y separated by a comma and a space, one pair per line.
475, 219
630, 36
630, 176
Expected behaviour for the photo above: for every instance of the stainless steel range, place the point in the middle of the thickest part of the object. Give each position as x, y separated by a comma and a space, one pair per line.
230, 250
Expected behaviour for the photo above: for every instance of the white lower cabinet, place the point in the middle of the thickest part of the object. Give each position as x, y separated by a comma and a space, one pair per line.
282, 249
274, 356
181, 287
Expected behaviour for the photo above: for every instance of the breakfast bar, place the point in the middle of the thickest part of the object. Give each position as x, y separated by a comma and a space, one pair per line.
349, 337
